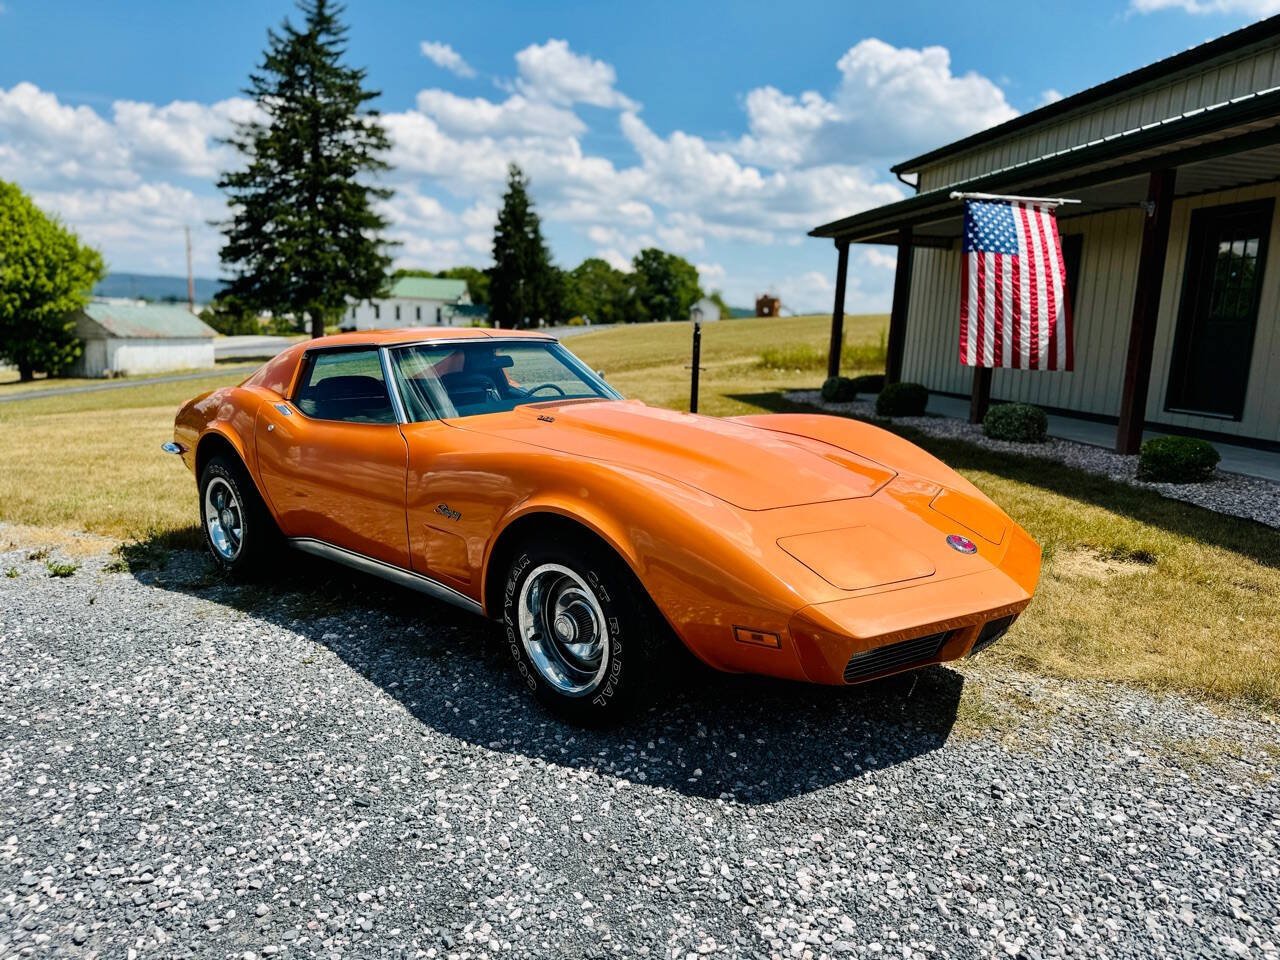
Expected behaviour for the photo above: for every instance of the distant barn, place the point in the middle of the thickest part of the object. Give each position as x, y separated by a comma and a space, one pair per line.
767, 306
128, 338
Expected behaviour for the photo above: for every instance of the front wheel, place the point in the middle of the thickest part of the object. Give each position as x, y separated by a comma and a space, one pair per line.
238, 530
580, 629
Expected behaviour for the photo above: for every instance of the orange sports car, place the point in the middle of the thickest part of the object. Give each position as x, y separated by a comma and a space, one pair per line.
494, 470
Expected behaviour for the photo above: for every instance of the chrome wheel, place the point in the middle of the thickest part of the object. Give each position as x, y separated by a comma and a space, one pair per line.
563, 630
223, 518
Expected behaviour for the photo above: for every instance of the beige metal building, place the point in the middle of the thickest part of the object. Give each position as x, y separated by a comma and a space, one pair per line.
1172, 258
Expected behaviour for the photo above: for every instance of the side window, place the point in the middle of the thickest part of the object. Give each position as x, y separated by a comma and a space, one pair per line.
344, 385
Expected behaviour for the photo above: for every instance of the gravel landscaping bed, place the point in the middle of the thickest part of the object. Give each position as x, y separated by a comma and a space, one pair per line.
325, 767
1250, 497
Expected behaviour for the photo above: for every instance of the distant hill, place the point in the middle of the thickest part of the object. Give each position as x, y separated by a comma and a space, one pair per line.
737, 312
142, 286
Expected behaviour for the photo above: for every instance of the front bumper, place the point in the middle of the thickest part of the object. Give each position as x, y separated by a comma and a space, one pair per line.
861, 638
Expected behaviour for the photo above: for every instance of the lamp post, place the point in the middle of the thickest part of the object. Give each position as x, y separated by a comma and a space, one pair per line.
696, 316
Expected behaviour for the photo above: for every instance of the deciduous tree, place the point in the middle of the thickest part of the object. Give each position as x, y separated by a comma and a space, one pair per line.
598, 291
666, 286
46, 275
304, 235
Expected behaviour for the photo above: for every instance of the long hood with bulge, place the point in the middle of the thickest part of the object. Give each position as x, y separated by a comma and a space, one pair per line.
749, 467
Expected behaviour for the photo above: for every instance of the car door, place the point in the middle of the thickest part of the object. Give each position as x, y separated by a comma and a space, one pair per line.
332, 458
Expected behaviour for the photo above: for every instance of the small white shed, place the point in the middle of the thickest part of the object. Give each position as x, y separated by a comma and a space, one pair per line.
705, 310
130, 338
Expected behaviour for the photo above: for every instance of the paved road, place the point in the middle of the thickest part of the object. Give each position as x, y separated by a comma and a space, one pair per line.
323, 767
250, 347
124, 383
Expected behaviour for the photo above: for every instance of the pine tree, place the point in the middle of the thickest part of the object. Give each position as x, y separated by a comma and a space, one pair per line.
524, 286
304, 236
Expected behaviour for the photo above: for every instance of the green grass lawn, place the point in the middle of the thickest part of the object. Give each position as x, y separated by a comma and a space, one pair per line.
1135, 588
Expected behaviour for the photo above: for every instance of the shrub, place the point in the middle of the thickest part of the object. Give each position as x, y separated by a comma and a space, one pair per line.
838, 390
902, 400
1177, 460
868, 383
1017, 422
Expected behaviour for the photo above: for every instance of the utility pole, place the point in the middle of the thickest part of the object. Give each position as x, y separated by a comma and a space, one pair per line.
191, 280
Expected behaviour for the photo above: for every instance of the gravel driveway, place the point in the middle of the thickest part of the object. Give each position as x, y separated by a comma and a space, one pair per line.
325, 767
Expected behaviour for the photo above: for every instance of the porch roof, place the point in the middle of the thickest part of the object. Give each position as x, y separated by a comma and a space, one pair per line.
1225, 145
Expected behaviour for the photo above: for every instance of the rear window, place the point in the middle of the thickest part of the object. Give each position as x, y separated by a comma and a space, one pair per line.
344, 385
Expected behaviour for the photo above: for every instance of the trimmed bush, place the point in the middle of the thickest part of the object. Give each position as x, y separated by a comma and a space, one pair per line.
838, 390
902, 400
1177, 460
868, 383
1016, 422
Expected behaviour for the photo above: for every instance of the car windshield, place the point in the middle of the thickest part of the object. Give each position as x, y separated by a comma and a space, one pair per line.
466, 378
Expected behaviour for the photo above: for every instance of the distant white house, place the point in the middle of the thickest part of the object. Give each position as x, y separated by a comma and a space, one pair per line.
705, 310
126, 338
414, 302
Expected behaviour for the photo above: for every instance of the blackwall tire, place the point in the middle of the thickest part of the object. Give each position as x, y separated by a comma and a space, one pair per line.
239, 532
584, 637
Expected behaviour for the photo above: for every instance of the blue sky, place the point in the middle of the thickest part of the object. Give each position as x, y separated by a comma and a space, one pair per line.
720, 131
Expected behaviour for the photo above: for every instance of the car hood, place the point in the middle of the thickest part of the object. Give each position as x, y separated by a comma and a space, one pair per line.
750, 467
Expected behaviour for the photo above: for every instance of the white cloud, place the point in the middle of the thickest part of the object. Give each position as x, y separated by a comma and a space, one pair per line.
515, 116
444, 56
1252, 8
710, 274
881, 259
1049, 96
889, 102
133, 176
552, 71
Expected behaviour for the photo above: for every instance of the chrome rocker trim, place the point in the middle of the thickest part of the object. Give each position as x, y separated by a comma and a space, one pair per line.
386, 571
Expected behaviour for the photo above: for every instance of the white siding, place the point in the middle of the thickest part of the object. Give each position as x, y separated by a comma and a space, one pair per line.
1103, 311
381, 314
1212, 84
131, 355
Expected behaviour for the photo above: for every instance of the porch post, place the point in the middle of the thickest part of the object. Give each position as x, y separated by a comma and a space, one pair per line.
837, 311
1146, 307
980, 397
901, 308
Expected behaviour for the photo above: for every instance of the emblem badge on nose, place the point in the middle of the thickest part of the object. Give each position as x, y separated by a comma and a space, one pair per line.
963, 544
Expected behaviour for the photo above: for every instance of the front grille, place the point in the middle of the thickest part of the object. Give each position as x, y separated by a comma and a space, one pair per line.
990, 633
894, 656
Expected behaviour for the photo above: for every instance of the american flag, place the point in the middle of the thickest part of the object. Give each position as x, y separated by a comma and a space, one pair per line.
1013, 293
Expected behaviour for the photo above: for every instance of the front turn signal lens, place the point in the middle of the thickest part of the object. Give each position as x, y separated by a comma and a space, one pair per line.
759, 638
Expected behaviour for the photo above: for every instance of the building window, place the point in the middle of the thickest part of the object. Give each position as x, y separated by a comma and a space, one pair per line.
417, 314
377, 312
439, 315
397, 311
353, 311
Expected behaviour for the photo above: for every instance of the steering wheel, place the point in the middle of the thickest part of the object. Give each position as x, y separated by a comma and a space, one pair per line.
547, 386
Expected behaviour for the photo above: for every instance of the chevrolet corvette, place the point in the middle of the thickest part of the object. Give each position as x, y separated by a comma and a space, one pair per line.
495, 471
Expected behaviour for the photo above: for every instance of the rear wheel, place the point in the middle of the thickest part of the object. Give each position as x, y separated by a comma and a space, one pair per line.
238, 530
580, 629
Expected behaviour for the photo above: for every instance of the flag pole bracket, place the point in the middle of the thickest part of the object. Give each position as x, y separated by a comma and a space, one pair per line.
1044, 201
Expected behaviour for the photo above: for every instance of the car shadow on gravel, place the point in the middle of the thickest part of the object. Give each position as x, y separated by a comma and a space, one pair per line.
707, 734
